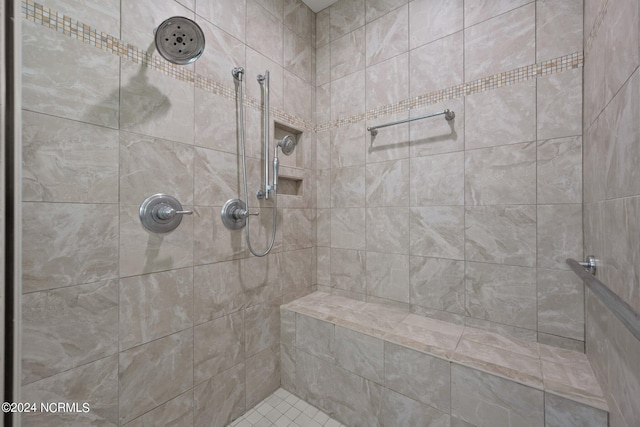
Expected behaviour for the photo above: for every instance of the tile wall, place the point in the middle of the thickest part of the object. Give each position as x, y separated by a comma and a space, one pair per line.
156, 329
612, 194
468, 221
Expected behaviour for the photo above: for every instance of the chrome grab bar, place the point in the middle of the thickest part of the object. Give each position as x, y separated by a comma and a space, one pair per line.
448, 114
623, 311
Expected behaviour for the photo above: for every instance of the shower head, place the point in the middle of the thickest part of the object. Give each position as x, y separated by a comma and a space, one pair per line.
179, 40
287, 144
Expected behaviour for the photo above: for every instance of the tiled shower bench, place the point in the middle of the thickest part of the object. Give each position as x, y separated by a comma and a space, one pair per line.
369, 365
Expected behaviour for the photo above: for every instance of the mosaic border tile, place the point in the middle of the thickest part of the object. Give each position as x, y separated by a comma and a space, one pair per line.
506, 78
57, 21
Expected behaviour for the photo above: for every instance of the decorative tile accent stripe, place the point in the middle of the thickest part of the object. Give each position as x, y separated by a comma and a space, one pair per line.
64, 24
552, 66
604, 7
44, 16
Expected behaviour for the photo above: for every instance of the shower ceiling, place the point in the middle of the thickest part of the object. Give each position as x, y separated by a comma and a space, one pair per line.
318, 5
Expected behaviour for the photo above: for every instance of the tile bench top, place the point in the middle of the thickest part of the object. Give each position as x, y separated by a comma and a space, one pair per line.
557, 371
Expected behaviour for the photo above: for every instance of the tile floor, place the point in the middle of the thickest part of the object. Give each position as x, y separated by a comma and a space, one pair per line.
283, 409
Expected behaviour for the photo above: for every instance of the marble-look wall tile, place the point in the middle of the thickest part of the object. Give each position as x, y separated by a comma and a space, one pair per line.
500, 293
177, 412
388, 276
348, 187
501, 43
559, 104
374, 9
213, 242
297, 55
323, 27
502, 329
154, 104
229, 53
141, 159
228, 15
561, 342
561, 412
438, 136
561, 304
559, 235
297, 99
387, 36
154, 373
559, 170
68, 78
437, 284
216, 291
323, 266
622, 129
258, 63
437, 180
323, 230
346, 16
216, 178
417, 375
387, 231
348, 228
297, 271
142, 251
347, 54
348, 270
387, 82
315, 337
476, 11
501, 234
387, 184
501, 402
431, 20
298, 17
263, 375
348, 96
95, 383
260, 279
622, 48
63, 162
558, 28
221, 399
347, 145
262, 327
103, 15
68, 327
82, 247
437, 231
323, 188
342, 395
519, 125
299, 228
429, 61
501, 175
359, 353
155, 305
216, 124
323, 77
398, 409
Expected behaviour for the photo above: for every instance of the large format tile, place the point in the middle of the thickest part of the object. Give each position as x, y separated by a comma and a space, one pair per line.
68, 327
68, 244
359, 353
561, 412
218, 345
387, 231
63, 163
387, 82
437, 180
155, 305
348, 271
501, 234
387, 36
346, 16
489, 401
437, 231
388, 276
559, 170
229, 53
559, 235
141, 18
221, 399
177, 412
347, 55
348, 187
387, 184
476, 11
297, 55
216, 291
559, 28
431, 20
263, 375
501, 43
559, 104
436, 136
348, 228
68, 78
95, 383
154, 373
398, 409
428, 61
561, 304
500, 293
229, 15
437, 284
348, 96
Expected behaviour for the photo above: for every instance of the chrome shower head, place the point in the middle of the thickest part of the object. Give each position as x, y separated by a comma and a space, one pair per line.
179, 40
287, 144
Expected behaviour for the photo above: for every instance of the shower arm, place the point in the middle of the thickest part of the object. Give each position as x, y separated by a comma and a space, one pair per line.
263, 79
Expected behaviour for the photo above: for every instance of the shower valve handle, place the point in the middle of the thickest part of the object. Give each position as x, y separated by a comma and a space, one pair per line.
167, 212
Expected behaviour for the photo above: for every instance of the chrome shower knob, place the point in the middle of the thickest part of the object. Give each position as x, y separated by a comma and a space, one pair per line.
161, 213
